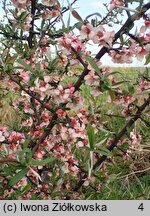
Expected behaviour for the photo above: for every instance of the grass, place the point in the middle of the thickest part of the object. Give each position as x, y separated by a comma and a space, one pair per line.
8, 116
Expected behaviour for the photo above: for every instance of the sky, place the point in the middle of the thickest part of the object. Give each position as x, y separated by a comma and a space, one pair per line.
84, 8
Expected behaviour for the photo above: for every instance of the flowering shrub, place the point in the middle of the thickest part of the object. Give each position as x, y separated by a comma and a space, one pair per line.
62, 141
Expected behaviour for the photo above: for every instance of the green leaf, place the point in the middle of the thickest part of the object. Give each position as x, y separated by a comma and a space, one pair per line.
42, 24
78, 25
121, 39
101, 141
26, 143
42, 162
91, 136
26, 47
93, 64
38, 67
103, 151
22, 16
26, 188
105, 85
28, 67
18, 177
131, 89
11, 59
112, 95
147, 59
114, 72
116, 85
25, 155
68, 22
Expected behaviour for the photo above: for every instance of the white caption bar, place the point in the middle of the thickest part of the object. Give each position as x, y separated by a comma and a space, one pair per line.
74, 208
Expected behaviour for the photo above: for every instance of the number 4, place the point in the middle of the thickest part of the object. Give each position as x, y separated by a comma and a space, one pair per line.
141, 207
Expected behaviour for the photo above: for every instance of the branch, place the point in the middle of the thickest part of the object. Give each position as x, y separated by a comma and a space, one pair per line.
30, 93
33, 9
136, 39
45, 133
126, 5
35, 110
7, 35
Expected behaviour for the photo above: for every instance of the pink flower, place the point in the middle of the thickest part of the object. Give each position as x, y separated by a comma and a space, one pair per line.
2, 138
68, 42
39, 154
25, 76
96, 34
92, 79
48, 2
21, 3
140, 53
60, 113
28, 122
114, 3
86, 29
62, 95
15, 137
135, 139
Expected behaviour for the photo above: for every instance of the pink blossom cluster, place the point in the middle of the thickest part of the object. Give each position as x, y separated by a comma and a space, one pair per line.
144, 85
21, 3
61, 94
135, 140
146, 25
49, 2
114, 3
50, 14
15, 140
69, 42
4, 134
97, 34
126, 54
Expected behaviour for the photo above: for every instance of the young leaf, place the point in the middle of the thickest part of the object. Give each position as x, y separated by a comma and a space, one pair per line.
112, 95
25, 155
91, 136
103, 151
74, 12
76, 15
101, 141
11, 59
28, 67
93, 64
116, 85
147, 59
78, 25
18, 177
38, 67
68, 22
42, 162
114, 72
